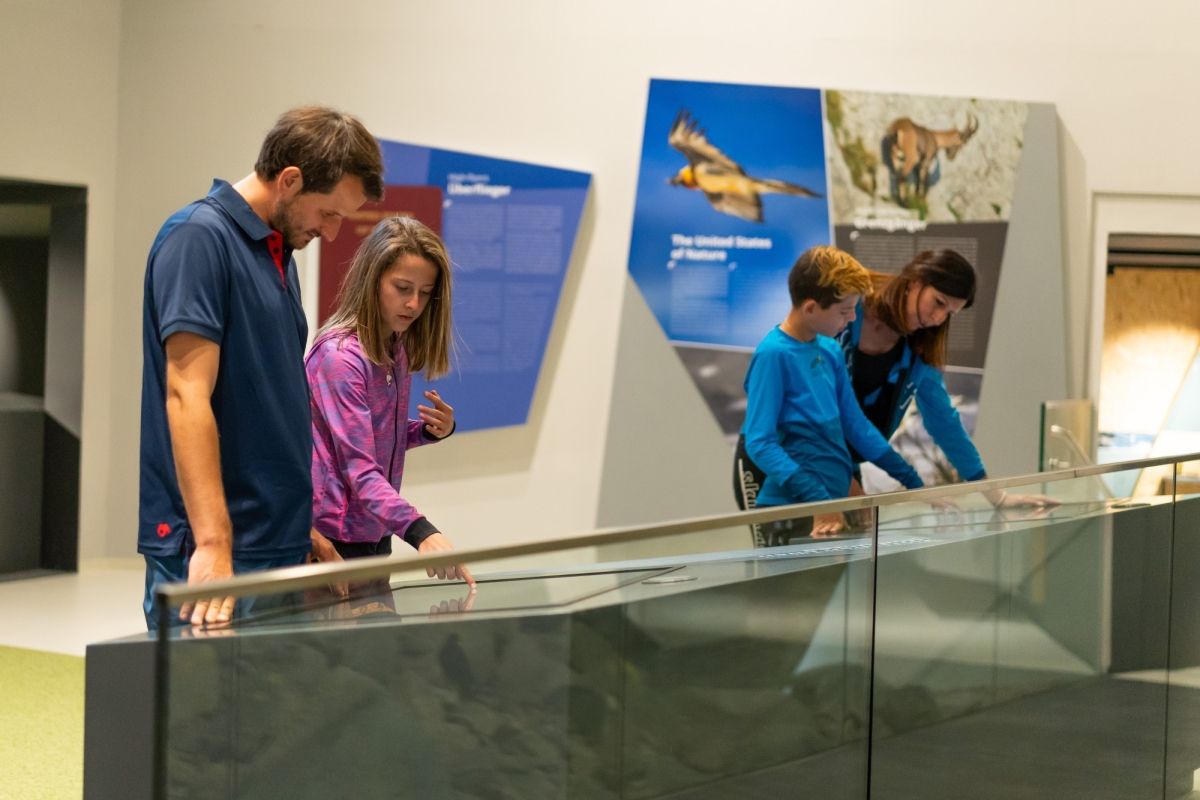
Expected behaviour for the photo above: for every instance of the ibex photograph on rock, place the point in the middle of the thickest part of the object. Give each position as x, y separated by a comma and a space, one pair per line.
932, 159
911, 152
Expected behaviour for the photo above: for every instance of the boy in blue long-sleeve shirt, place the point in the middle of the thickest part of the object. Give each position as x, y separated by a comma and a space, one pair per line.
801, 410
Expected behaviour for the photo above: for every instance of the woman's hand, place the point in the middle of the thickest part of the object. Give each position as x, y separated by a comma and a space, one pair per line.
1003, 499
438, 418
437, 543
1030, 501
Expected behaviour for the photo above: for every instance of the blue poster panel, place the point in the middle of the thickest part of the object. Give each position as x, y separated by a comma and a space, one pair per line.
731, 190
510, 228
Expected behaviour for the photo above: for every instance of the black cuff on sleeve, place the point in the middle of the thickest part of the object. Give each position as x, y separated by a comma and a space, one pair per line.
420, 530
429, 437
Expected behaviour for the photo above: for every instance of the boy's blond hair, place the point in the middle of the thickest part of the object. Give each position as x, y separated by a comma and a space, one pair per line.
826, 274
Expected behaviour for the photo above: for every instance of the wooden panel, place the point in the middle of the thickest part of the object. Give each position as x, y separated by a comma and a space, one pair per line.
1151, 337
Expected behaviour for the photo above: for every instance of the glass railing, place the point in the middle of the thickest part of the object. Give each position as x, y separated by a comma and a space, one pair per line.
1068, 434
944, 646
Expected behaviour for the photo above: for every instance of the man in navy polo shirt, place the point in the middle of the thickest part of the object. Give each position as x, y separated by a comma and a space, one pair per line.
226, 448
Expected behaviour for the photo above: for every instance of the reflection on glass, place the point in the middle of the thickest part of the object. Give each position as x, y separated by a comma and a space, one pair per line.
963, 650
1068, 434
1183, 690
684, 668
1031, 631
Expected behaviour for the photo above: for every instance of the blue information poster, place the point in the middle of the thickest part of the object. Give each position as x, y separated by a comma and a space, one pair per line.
731, 190
510, 228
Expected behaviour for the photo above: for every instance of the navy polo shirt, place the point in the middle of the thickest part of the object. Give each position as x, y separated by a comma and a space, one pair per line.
217, 270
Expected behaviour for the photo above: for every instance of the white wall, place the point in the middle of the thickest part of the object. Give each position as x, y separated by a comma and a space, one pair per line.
58, 95
553, 82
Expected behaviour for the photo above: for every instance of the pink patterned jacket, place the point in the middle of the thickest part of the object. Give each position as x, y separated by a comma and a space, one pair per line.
361, 430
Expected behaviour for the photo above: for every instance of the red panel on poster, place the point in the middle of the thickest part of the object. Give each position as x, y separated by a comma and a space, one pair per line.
421, 202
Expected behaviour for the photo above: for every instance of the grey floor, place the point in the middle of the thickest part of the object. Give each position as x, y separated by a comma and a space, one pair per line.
64, 612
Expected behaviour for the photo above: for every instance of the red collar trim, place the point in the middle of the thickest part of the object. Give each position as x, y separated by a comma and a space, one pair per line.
275, 248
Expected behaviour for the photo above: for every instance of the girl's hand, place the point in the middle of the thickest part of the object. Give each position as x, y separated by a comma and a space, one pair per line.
438, 418
438, 543
323, 551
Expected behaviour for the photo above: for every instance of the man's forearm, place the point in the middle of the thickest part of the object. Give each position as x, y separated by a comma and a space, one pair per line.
196, 448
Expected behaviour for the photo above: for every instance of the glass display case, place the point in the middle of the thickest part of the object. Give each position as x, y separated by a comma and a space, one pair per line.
1027, 637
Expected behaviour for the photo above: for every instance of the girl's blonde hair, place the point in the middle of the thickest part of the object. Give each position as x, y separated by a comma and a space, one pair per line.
428, 341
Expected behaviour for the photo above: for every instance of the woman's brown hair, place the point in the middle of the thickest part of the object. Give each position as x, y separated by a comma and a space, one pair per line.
944, 270
428, 341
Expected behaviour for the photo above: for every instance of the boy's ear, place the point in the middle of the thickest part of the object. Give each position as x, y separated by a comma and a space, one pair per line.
808, 306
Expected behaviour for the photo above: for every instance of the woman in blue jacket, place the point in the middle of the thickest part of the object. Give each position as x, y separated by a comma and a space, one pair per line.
896, 348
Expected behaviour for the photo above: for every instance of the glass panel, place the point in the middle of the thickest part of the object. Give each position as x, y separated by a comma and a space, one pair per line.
1187, 478
1020, 652
1183, 691
694, 666
1068, 434
959, 651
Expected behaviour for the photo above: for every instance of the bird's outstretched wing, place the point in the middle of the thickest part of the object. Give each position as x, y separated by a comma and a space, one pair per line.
746, 206
689, 138
784, 187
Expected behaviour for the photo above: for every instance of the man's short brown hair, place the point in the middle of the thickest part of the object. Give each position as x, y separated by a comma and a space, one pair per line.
326, 145
826, 274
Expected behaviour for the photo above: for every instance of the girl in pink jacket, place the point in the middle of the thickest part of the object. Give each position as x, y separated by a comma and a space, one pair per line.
392, 319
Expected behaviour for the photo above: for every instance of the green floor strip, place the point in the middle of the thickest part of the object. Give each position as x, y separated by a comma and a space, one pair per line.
41, 720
